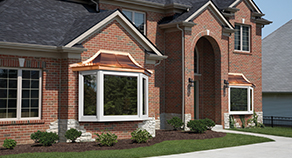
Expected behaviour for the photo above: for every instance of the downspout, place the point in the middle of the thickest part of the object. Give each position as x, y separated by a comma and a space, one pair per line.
96, 4
183, 72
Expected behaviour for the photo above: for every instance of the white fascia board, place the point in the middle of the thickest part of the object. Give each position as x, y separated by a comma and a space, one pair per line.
250, 1
210, 3
92, 30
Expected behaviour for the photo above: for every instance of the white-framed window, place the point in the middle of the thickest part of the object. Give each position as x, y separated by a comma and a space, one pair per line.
20, 93
240, 100
112, 96
138, 18
242, 38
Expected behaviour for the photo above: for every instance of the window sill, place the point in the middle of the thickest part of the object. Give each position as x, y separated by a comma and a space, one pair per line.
22, 122
242, 52
240, 113
111, 119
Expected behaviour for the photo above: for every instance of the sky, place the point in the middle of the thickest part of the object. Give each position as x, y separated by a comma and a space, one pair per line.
278, 11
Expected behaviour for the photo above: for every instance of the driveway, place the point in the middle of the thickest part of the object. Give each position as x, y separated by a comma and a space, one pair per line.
280, 148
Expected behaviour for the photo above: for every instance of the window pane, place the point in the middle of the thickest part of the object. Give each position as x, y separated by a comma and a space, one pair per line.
3, 83
34, 74
26, 74
144, 95
12, 94
25, 84
90, 90
25, 103
34, 94
34, 84
245, 38
12, 103
12, 83
34, 103
3, 93
128, 15
11, 113
24, 112
34, 113
25, 93
3, 103
237, 38
250, 99
139, 21
3, 73
2, 113
238, 99
120, 95
12, 73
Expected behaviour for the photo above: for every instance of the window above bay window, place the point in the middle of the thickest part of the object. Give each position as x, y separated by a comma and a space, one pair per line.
138, 19
242, 38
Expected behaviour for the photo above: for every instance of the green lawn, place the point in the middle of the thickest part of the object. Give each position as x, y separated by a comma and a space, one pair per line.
277, 131
164, 148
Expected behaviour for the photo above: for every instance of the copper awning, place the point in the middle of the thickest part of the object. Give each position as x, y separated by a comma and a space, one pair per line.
238, 79
110, 60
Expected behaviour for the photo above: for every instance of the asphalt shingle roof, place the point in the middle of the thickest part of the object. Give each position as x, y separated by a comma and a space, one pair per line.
277, 59
44, 22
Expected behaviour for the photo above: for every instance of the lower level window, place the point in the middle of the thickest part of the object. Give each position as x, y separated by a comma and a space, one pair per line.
112, 96
240, 100
20, 94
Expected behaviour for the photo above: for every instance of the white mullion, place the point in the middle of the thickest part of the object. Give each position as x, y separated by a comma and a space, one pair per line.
241, 47
100, 95
40, 93
19, 93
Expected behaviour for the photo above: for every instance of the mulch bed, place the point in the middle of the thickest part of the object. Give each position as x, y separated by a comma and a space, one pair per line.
161, 135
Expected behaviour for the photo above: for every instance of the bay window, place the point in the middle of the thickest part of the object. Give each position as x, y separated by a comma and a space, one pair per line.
20, 94
240, 100
112, 96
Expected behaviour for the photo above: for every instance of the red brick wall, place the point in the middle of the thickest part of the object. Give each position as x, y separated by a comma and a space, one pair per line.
21, 130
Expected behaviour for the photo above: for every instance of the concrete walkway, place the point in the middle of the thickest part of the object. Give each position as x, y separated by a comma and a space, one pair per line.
281, 148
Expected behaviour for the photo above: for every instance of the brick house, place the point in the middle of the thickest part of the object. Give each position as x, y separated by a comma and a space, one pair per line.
122, 65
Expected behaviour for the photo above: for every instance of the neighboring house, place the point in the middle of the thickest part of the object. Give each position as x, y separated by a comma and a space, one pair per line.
277, 72
122, 65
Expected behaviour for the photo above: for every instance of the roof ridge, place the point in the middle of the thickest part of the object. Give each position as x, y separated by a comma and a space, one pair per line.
278, 29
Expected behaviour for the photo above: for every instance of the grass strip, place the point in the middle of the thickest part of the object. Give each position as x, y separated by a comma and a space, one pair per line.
164, 148
277, 131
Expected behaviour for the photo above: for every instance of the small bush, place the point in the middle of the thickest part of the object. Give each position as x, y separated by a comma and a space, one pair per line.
9, 143
108, 139
140, 136
242, 118
197, 126
209, 123
36, 136
72, 134
175, 122
231, 122
47, 139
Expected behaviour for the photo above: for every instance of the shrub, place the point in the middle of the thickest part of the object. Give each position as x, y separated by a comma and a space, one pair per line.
47, 139
231, 122
209, 123
175, 122
197, 126
72, 134
9, 143
108, 139
242, 121
36, 136
140, 136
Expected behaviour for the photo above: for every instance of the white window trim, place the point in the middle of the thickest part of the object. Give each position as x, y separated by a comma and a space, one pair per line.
19, 95
241, 46
248, 112
133, 17
100, 97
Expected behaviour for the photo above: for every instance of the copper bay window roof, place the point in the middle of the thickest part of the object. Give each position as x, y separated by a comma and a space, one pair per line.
110, 60
238, 79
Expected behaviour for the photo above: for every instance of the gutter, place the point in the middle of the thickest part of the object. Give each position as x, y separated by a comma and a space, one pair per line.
42, 48
183, 72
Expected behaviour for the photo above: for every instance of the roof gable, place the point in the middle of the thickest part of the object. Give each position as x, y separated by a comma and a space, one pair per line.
126, 23
250, 3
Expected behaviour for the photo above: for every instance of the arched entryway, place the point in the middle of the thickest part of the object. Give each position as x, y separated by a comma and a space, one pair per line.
207, 100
